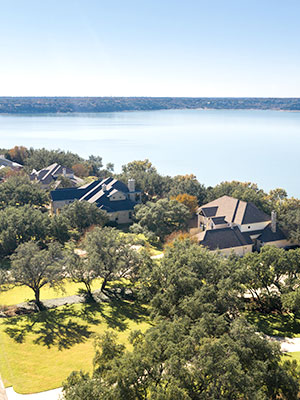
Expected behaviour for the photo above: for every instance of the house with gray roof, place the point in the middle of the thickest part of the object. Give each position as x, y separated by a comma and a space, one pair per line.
49, 176
228, 224
5, 163
110, 195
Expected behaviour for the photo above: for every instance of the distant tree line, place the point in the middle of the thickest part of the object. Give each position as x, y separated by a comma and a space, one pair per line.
29, 105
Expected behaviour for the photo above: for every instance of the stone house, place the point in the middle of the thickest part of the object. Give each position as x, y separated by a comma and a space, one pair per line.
228, 224
110, 195
49, 176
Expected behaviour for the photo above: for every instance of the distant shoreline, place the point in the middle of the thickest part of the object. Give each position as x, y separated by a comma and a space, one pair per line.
70, 105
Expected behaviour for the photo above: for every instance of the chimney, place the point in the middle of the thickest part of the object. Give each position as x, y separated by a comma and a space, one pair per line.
273, 221
64, 171
131, 185
103, 187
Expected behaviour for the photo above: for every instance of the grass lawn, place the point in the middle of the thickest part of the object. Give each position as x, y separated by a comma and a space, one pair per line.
21, 294
292, 356
39, 351
274, 324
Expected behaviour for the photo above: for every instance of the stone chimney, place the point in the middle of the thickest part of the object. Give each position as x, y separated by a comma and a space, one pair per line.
273, 221
131, 185
103, 187
64, 171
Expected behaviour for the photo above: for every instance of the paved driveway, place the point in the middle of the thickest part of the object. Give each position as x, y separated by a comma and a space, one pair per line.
49, 395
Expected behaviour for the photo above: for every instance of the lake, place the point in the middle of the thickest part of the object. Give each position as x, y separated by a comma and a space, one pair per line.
215, 145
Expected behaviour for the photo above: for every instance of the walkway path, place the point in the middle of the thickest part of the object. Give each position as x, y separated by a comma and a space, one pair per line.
3, 395
49, 395
287, 344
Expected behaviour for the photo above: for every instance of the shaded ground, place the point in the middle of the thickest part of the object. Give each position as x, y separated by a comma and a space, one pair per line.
39, 350
275, 324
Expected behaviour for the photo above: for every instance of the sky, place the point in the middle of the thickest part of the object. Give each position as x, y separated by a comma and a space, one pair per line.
194, 48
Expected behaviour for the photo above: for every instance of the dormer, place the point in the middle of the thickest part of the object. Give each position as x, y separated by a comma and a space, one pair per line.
116, 195
217, 223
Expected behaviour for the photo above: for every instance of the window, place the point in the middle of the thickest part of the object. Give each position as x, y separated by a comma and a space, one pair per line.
130, 214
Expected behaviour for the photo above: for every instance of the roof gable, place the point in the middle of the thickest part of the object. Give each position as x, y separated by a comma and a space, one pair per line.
252, 215
234, 210
269, 236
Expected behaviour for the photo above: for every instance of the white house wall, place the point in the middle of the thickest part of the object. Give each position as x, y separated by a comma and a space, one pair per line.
117, 196
57, 205
239, 251
278, 243
121, 217
253, 227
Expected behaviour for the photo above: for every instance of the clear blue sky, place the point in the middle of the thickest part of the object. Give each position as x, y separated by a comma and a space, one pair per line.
150, 48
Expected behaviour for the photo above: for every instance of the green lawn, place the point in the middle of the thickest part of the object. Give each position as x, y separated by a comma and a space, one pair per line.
39, 351
21, 294
292, 356
274, 324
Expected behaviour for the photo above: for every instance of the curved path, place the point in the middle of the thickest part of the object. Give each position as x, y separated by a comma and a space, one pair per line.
287, 344
49, 395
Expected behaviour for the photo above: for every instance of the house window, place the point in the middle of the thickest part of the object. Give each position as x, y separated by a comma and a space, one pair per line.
130, 214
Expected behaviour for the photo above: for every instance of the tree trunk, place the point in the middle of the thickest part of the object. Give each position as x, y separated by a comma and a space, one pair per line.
89, 295
37, 299
104, 283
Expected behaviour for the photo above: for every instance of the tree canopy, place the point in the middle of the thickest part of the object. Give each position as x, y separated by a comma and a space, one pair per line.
35, 268
82, 214
19, 225
19, 191
198, 347
161, 218
109, 255
41, 158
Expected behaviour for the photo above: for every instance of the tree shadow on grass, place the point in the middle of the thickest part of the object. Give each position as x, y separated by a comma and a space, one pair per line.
69, 325
275, 324
51, 328
116, 313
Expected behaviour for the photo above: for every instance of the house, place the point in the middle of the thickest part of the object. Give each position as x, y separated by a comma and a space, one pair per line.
110, 195
5, 163
228, 224
49, 176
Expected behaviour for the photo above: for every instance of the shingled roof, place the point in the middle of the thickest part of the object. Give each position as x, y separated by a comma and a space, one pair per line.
269, 236
234, 210
97, 192
48, 175
224, 238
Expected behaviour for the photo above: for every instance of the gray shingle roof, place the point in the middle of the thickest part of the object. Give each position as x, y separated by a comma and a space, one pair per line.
234, 210
219, 220
71, 193
97, 192
225, 238
252, 214
269, 236
209, 211
50, 173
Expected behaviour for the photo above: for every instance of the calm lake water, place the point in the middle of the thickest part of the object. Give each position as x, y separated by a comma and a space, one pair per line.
215, 145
